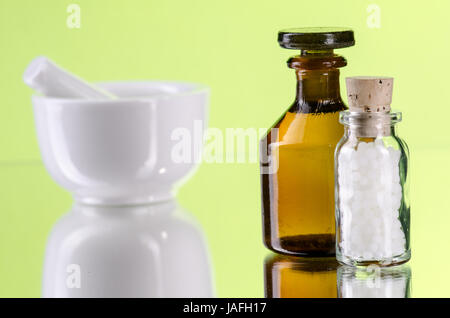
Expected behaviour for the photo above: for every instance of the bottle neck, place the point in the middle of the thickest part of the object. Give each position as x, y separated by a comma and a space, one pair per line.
355, 131
318, 88
370, 125
314, 85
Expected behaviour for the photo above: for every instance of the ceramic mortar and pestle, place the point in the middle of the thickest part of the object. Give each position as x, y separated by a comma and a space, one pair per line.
113, 146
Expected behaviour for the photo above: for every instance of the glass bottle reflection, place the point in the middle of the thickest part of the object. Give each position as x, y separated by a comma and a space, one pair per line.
298, 277
374, 282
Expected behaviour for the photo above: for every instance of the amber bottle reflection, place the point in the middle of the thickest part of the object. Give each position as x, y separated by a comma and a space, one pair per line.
292, 277
298, 189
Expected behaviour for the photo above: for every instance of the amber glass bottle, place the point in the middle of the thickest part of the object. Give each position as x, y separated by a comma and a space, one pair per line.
300, 277
297, 154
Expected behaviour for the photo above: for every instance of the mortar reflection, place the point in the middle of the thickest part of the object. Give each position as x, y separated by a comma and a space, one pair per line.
155, 250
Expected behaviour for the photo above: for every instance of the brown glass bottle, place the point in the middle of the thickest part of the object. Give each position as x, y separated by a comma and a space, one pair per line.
297, 166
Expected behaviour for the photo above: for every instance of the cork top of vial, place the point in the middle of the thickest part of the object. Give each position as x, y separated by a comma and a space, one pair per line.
369, 94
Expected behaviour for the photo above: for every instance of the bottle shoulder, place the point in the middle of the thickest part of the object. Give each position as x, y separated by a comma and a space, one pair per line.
317, 106
321, 129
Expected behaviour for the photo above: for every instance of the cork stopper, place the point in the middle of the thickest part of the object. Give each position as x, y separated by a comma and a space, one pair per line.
369, 94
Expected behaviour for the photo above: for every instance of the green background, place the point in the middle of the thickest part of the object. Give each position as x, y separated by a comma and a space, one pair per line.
230, 46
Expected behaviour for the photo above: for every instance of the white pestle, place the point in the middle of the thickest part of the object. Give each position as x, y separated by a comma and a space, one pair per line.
46, 77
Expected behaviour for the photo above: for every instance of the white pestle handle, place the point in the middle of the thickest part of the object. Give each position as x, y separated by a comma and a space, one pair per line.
46, 77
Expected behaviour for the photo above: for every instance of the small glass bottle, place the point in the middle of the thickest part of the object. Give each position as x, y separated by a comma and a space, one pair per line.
372, 194
297, 154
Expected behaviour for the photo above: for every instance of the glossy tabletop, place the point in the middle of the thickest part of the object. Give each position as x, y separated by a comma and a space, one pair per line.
229, 216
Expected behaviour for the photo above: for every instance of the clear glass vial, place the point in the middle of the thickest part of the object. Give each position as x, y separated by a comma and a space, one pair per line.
372, 194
